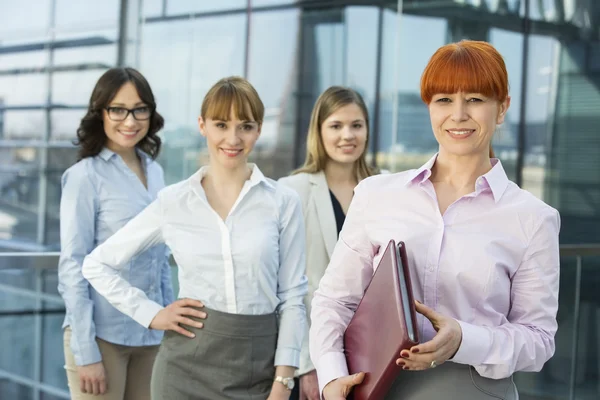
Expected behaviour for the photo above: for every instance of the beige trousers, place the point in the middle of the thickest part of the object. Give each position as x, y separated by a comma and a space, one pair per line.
128, 371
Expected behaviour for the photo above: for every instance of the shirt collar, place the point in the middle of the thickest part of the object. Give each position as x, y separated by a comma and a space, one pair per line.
106, 154
256, 177
495, 179
422, 174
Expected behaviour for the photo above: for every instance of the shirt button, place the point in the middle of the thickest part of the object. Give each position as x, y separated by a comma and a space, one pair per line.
431, 268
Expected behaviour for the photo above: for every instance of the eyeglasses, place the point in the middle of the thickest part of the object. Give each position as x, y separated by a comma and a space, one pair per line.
119, 114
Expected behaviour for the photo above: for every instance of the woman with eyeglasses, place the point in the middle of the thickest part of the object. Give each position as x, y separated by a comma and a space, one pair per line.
107, 354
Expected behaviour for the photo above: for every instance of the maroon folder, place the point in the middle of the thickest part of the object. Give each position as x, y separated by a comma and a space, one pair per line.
384, 324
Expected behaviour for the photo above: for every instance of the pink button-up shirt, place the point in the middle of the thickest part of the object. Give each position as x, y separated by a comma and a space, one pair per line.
491, 262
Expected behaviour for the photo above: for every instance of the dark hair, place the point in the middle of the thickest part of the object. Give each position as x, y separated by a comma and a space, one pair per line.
91, 136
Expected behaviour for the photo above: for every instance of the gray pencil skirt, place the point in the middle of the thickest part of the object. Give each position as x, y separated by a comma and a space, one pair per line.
451, 381
231, 358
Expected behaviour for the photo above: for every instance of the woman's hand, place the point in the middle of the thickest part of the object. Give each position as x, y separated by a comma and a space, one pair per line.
279, 392
92, 379
309, 386
438, 350
170, 317
340, 388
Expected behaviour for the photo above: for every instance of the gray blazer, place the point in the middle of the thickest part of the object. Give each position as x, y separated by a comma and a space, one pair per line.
321, 237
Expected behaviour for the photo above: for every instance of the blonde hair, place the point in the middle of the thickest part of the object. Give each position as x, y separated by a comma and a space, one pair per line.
233, 93
329, 102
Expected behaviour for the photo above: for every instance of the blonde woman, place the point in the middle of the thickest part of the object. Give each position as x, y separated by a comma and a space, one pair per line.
335, 162
238, 240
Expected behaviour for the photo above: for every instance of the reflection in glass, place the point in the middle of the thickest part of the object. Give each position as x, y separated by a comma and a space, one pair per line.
273, 54
105, 55
405, 139
18, 205
74, 88
23, 61
23, 89
23, 125
510, 45
193, 56
86, 15
195, 6
152, 8
23, 18
263, 3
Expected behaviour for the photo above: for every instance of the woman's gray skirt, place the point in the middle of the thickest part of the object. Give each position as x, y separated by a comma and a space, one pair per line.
450, 381
231, 358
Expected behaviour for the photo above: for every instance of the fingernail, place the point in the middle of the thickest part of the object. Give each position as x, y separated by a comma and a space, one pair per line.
400, 363
415, 351
404, 354
405, 368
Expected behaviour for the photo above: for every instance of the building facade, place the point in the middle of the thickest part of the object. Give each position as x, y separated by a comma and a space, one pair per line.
53, 51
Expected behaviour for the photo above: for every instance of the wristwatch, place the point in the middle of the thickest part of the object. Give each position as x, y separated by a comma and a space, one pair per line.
286, 381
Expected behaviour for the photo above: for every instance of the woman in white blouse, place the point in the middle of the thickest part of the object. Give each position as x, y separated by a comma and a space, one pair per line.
335, 162
238, 240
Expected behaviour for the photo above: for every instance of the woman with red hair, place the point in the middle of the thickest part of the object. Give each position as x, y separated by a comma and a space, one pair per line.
483, 253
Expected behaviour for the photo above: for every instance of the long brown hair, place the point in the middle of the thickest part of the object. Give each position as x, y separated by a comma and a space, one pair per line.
329, 102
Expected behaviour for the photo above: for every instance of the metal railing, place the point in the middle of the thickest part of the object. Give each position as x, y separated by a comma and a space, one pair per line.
43, 266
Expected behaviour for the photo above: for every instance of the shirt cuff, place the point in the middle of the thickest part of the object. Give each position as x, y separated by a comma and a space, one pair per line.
87, 354
330, 366
287, 356
146, 313
306, 365
475, 345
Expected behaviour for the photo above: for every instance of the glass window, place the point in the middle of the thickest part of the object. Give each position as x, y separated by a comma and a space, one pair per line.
152, 8
339, 47
540, 94
405, 137
73, 88
13, 15
175, 7
272, 58
86, 15
263, 3
19, 194
26, 60
193, 56
505, 143
23, 89
65, 124
23, 125
102, 56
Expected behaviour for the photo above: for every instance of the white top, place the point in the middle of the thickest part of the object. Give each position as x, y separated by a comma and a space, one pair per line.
251, 263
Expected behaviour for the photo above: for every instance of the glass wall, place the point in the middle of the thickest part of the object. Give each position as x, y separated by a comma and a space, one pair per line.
53, 51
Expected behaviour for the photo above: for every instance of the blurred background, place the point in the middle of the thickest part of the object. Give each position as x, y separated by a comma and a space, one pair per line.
53, 51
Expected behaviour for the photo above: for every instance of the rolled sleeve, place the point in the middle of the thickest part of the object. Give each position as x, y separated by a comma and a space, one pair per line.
292, 283
77, 233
